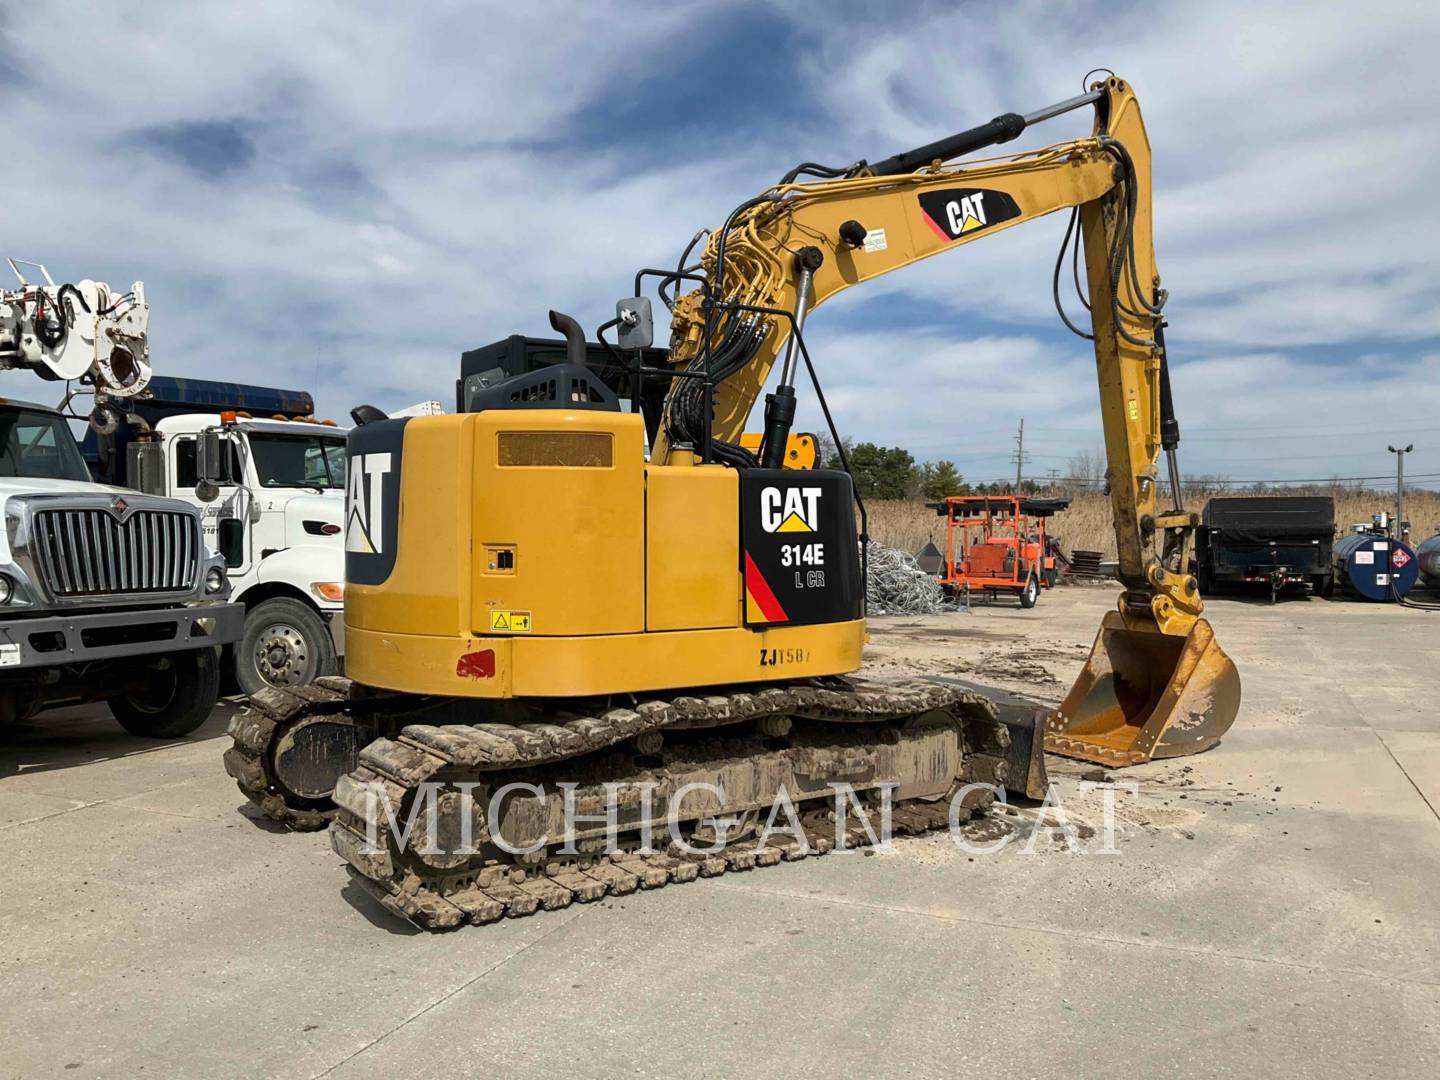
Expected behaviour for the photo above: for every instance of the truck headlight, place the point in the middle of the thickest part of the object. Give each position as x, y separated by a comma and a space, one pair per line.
334, 591
214, 579
7, 589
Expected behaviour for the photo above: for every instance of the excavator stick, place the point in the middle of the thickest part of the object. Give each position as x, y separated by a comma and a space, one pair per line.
1145, 694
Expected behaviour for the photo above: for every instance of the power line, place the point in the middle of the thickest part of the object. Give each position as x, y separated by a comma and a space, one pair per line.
1218, 482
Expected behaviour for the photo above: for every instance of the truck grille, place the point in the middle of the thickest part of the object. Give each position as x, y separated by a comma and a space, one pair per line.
89, 553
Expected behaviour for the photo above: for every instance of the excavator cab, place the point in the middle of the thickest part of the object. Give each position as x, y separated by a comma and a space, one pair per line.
1144, 694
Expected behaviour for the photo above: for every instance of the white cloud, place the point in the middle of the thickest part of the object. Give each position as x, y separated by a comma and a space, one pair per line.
424, 180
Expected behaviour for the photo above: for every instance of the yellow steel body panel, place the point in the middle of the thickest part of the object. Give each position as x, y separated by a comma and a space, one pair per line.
585, 545
428, 590
577, 532
537, 666
692, 548
800, 450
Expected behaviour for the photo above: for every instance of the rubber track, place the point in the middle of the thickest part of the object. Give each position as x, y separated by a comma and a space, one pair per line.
500, 890
253, 731
421, 749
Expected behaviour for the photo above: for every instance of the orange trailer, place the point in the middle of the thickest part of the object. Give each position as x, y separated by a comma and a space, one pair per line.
998, 542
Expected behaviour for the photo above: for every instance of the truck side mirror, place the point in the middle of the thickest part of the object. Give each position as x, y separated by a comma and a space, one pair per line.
209, 465
231, 538
145, 467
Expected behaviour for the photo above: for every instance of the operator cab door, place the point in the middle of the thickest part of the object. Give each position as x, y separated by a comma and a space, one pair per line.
227, 519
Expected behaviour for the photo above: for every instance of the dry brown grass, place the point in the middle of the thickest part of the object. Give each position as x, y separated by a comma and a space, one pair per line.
908, 524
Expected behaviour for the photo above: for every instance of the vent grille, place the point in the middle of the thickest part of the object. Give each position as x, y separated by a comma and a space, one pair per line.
578, 388
557, 449
90, 553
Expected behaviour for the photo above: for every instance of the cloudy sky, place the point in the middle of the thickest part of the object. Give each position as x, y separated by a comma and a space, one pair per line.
341, 197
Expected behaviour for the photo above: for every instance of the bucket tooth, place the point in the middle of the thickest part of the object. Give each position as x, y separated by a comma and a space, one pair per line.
1145, 694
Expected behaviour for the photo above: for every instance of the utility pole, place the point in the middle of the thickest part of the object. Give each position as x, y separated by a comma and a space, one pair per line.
1019, 456
1400, 488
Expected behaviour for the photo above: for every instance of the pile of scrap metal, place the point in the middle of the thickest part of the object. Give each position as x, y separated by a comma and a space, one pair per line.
1086, 564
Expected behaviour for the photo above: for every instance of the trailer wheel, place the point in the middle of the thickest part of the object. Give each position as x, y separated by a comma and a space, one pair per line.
286, 643
1204, 581
1323, 585
1030, 593
178, 693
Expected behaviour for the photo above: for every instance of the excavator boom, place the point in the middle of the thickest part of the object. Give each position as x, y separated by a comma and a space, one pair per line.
1156, 682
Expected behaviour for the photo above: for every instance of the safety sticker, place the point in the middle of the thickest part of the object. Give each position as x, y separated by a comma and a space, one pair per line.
1382, 579
1400, 558
511, 622
875, 240
9, 655
1364, 558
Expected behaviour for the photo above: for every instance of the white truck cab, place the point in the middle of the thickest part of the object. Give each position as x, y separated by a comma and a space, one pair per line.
105, 594
273, 504
270, 483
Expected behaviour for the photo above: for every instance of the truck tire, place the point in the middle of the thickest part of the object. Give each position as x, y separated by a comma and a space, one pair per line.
1030, 593
182, 690
286, 643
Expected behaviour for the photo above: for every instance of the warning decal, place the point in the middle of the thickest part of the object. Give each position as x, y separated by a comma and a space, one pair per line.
1400, 558
510, 622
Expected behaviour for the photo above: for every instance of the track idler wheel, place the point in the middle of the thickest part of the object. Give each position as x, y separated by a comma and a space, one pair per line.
290, 747
307, 757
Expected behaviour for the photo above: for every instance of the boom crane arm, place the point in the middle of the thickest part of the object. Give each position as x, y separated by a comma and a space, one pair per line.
837, 233
87, 331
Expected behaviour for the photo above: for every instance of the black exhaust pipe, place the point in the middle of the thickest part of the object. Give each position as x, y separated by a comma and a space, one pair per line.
576, 350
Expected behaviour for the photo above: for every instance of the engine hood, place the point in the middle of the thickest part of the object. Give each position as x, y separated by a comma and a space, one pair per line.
11, 486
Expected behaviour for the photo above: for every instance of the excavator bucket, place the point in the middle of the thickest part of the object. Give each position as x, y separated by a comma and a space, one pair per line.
1145, 694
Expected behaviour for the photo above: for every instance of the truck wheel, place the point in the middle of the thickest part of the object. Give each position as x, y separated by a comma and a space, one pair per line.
180, 691
286, 643
1030, 593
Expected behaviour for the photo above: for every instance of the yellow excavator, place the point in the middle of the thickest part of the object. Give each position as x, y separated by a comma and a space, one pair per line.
545, 620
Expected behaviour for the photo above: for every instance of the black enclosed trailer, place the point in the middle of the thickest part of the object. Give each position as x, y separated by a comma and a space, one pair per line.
1276, 540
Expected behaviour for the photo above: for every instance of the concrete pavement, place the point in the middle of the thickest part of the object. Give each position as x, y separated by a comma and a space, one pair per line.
1270, 910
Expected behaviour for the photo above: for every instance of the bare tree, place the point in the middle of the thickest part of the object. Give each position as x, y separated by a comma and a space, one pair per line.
1087, 469
825, 454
